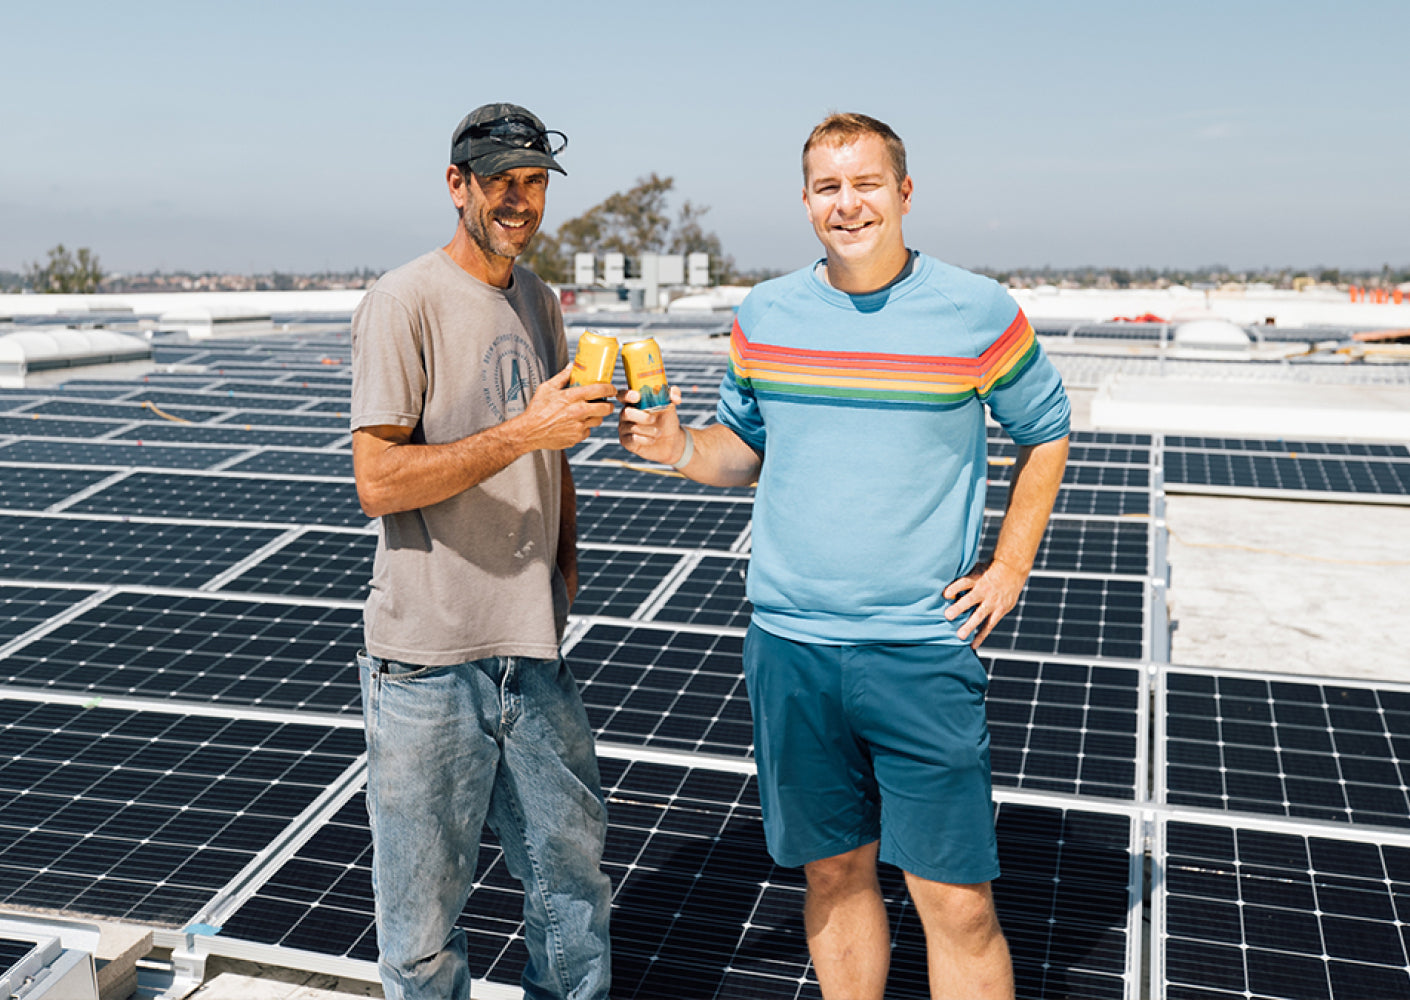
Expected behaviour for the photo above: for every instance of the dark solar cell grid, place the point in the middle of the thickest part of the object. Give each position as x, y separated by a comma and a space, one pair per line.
338, 406
12, 950
1081, 500
301, 388
325, 565
595, 475
117, 454
1086, 546
167, 398
616, 583
1360, 449
297, 463
711, 594
1075, 617
285, 418
669, 690
222, 434
56, 427
1297, 749
1085, 474
1269, 472
700, 911
120, 411
201, 649
1098, 453
142, 815
34, 489
230, 498
687, 524
1125, 439
114, 553
94, 389
11, 400
1282, 916
24, 608
1064, 727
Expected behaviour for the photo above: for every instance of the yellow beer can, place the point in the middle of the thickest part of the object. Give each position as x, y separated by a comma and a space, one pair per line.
595, 360
646, 373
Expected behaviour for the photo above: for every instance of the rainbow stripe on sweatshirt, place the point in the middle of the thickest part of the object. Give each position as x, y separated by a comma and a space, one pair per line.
874, 378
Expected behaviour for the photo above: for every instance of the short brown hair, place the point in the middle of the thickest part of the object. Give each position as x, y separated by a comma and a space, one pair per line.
840, 128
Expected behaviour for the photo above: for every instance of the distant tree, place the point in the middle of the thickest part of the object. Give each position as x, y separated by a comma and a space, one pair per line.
631, 222
65, 272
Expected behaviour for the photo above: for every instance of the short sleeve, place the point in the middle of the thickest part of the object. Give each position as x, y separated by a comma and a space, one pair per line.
1021, 386
738, 408
389, 372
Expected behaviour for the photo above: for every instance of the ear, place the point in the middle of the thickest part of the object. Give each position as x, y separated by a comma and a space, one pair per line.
906, 188
456, 184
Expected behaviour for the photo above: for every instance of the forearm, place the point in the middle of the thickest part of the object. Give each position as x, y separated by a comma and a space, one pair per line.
1037, 475
398, 476
719, 457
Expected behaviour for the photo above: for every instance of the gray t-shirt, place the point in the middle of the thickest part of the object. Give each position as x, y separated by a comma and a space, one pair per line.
475, 575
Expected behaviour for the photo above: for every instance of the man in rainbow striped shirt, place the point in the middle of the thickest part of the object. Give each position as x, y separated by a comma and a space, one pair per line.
856, 398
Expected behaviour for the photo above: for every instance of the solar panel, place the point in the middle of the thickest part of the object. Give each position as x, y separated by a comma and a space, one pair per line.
168, 398
712, 593
296, 463
1075, 728
1087, 474
35, 489
666, 689
1252, 472
286, 418
1087, 545
57, 427
229, 498
223, 434
199, 649
1097, 502
1076, 616
1364, 449
1278, 912
317, 564
119, 411
618, 583
1323, 750
23, 608
701, 911
677, 523
116, 454
606, 474
145, 816
81, 550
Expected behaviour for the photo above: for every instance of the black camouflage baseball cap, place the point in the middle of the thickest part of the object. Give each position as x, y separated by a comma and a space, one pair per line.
498, 137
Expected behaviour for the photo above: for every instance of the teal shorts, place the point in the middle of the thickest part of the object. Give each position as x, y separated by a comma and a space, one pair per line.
861, 743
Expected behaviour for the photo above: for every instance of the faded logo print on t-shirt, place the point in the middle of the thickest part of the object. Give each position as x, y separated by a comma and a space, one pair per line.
509, 375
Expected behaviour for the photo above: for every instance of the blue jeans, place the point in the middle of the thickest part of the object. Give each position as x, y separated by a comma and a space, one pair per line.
503, 741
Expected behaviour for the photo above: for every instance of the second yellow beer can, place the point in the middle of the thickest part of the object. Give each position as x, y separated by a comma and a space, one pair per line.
646, 373
595, 360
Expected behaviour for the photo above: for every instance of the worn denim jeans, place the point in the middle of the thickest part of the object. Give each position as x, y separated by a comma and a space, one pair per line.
503, 741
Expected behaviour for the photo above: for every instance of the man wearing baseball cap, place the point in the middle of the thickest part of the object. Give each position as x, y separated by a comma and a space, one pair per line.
461, 415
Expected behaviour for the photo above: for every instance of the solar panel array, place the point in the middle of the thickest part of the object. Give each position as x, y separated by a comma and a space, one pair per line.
182, 567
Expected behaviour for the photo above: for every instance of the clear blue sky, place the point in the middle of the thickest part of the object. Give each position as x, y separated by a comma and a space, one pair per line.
306, 135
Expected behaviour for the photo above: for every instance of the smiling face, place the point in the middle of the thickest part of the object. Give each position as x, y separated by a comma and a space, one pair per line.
855, 203
499, 215
504, 210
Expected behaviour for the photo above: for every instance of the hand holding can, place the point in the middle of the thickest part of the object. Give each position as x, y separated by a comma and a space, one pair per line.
646, 373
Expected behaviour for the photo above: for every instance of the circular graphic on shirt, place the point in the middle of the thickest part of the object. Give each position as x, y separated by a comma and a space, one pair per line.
508, 375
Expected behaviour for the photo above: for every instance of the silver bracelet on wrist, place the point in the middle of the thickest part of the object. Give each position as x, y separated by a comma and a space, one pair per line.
689, 452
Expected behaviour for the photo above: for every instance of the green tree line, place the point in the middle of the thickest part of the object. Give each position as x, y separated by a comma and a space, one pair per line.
630, 222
